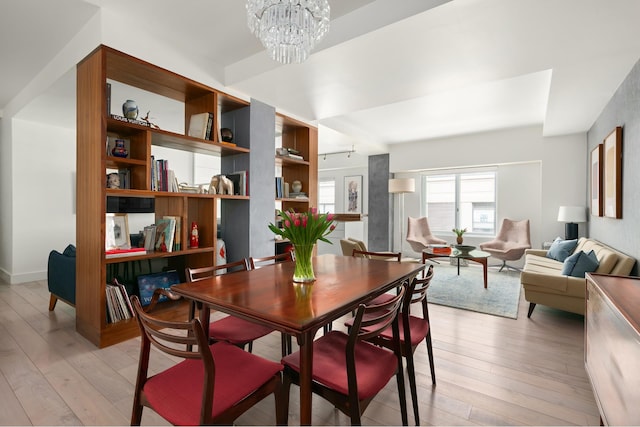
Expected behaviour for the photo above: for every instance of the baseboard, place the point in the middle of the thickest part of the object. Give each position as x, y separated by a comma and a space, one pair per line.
22, 278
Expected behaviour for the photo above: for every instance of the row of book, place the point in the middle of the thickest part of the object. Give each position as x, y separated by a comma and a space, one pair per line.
164, 235
282, 188
162, 178
118, 304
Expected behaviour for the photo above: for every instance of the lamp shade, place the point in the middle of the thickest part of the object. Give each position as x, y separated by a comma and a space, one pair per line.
572, 214
402, 185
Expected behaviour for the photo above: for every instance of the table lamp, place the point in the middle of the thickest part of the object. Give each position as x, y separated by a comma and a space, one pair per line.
571, 215
401, 186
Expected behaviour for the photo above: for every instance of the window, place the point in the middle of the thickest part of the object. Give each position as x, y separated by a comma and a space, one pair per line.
461, 200
327, 196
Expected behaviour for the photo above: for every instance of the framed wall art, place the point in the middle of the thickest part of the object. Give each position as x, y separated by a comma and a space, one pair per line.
612, 185
596, 181
353, 193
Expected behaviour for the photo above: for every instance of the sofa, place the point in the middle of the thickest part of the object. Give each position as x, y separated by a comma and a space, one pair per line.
544, 283
61, 276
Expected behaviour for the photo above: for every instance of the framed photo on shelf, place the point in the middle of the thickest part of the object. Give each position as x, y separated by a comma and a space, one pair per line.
596, 181
612, 185
353, 194
117, 231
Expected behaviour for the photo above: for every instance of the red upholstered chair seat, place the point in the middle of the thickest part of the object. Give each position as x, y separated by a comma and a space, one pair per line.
237, 331
176, 394
418, 330
375, 366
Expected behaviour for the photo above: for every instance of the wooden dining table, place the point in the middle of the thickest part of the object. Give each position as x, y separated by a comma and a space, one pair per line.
269, 296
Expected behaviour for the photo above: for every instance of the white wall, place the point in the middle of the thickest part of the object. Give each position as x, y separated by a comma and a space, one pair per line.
43, 205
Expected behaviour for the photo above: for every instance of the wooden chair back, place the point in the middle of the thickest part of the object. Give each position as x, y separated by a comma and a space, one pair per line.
389, 256
259, 262
172, 338
196, 274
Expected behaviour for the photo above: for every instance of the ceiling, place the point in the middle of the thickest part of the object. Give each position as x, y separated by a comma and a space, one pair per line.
388, 72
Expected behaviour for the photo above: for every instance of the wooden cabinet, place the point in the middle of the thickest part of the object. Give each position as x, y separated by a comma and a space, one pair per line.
612, 346
94, 126
304, 140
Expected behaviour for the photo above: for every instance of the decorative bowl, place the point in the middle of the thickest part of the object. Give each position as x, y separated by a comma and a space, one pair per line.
465, 248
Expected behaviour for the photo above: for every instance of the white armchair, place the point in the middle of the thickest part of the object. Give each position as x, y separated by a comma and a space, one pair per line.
419, 235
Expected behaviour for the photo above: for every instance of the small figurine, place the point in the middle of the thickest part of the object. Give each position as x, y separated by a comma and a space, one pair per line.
194, 241
148, 120
113, 180
119, 150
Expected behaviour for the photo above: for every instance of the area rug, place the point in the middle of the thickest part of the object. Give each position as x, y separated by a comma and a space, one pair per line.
466, 291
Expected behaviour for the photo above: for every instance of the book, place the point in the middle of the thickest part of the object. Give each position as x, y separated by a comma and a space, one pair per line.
198, 124
125, 294
177, 239
148, 283
165, 231
126, 120
117, 253
239, 182
149, 237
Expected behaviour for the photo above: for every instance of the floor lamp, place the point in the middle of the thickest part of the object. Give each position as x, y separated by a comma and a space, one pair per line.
400, 186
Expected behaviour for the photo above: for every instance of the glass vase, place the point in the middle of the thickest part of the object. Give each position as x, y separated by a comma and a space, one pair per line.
303, 270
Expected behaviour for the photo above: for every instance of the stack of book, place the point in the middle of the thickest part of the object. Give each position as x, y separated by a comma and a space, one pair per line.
440, 249
162, 178
118, 304
240, 183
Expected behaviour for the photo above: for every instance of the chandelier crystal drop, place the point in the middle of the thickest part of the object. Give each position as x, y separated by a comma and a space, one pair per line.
289, 29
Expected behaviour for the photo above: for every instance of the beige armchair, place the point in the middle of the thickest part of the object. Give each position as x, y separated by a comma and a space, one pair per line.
349, 244
510, 243
419, 235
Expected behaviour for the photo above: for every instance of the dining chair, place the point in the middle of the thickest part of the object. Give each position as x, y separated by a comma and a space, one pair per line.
348, 371
259, 262
387, 256
206, 387
413, 330
231, 329
254, 263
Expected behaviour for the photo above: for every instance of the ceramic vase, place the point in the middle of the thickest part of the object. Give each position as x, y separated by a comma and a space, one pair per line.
459, 239
119, 149
130, 109
296, 186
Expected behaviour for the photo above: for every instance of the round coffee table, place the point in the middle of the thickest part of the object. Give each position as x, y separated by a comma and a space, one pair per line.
475, 255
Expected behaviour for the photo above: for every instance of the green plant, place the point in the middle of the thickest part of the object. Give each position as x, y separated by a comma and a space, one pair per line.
459, 231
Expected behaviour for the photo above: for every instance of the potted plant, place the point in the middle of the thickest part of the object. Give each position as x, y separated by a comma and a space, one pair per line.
459, 232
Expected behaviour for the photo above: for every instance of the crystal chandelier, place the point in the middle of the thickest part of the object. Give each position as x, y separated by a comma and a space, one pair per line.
289, 29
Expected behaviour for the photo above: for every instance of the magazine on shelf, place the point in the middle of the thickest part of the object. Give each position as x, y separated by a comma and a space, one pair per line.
165, 231
148, 283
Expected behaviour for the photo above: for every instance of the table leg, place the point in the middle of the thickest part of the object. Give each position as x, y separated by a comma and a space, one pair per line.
483, 261
458, 266
306, 368
205, 314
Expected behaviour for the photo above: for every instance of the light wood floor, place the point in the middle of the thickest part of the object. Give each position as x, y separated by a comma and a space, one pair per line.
490, 371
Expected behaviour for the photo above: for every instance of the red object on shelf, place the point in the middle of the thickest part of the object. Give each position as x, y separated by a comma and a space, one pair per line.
194, 241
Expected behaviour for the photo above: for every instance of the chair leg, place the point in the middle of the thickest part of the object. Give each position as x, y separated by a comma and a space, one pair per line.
285, 344
412, 385
136, 413
251, 347
402, 393
52, 302
284, 395
430, 353
504, 264
532, 305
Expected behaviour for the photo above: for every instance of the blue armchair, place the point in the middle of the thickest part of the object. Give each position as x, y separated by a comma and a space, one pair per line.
61, 276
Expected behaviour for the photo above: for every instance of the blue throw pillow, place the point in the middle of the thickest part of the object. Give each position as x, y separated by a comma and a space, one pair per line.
587, 263
570, 263
561, 249
69, 251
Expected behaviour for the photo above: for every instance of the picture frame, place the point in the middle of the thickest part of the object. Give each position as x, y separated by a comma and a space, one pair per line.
117, 231
597, 164
353, 194
612, 173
